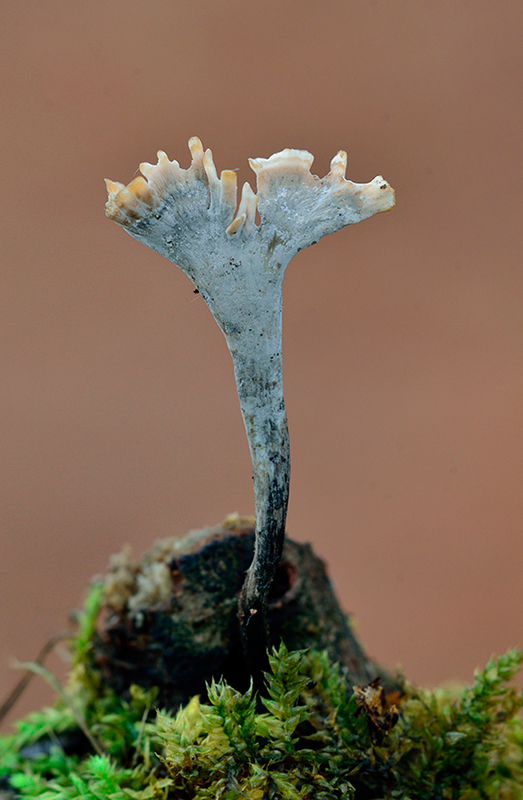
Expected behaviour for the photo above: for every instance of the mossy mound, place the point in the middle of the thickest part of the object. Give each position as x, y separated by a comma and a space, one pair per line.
310, 736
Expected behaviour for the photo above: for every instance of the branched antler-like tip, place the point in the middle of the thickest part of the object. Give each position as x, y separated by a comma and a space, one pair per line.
294, 203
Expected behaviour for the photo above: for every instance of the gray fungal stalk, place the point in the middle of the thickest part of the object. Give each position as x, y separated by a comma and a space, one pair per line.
191, 217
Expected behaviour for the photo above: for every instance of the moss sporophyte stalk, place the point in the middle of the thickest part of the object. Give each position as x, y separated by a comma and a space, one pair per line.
191, 217
307, 737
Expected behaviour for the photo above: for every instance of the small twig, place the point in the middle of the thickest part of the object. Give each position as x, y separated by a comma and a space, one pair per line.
25, 680
140, 734
52, 680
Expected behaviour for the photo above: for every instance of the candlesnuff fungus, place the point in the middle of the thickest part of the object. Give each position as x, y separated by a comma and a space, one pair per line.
191, 217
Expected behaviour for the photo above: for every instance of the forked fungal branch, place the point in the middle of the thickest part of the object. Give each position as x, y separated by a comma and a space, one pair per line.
191, 217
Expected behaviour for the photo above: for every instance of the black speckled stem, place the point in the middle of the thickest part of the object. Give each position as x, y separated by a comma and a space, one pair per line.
260, 389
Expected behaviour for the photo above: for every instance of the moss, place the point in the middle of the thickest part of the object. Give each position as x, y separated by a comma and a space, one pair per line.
310, 736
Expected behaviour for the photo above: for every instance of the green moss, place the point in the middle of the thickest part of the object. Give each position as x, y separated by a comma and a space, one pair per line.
309, 737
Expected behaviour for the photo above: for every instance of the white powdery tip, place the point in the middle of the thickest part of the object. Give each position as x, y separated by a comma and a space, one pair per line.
288, 168
126, 204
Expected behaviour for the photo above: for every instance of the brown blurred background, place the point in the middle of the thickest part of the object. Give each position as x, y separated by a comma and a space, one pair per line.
403, 335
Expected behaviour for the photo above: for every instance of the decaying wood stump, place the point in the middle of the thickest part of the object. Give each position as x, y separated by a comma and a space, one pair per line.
171, 619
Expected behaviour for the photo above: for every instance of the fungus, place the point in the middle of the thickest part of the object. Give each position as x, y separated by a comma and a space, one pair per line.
191, 217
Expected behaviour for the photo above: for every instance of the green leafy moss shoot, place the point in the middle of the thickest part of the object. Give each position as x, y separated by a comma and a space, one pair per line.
307, 738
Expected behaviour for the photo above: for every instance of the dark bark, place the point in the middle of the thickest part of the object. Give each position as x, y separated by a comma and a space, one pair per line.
171, 620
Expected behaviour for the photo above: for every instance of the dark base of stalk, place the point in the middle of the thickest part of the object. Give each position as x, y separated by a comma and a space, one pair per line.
252, 603
253, 627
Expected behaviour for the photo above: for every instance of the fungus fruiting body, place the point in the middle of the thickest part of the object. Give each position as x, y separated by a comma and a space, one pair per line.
192, 218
